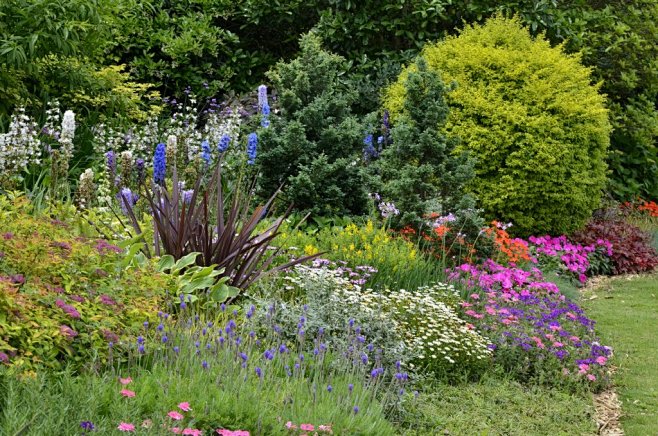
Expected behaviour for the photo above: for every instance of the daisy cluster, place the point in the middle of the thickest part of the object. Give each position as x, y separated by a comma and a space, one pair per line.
432, 332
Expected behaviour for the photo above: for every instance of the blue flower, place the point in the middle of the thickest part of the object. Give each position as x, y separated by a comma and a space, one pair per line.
224, 142
205, 152
259, 372
265, 120
252, 143
87, 426
159, 164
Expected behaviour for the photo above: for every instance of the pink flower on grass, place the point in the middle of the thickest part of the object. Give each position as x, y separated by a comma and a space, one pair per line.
185, 407
291, 426
307, 427
124, 426
176, 430
125, 381
591, 377
127, 393
225, 432
325, 428
192, 432
175, 415
601, 360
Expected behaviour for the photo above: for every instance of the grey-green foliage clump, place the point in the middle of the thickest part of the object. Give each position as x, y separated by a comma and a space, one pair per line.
313, 145
322, 305
420, 171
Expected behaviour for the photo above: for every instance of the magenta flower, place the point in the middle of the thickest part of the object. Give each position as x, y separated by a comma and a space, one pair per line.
185, 407
175, 415
126, 427
68, 309
127, 393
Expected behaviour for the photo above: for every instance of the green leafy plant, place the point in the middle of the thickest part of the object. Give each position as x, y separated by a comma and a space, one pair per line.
65, 297
192, 279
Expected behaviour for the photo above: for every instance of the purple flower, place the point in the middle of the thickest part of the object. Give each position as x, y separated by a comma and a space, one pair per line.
140, 171
262, 96
68, 309
224, 143
329, 388
204, 364
127, 199
259, 372
87, 426
111, 165
205, 152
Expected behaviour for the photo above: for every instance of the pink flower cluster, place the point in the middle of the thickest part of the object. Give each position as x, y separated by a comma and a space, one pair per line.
303, 428
521, 312
575, 257
68, 309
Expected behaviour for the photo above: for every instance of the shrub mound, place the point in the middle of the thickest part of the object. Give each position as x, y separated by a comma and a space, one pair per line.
63, 298
631, 248
530, 116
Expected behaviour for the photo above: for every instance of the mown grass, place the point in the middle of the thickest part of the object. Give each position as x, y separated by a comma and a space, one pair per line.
626, 311
498, 407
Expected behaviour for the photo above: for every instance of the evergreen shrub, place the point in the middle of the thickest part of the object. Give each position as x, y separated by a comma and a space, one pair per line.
530, 116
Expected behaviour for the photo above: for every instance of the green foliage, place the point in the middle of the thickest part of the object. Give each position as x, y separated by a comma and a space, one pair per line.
313, 146
619, 41
63, 298
398, 263
320, 297
420, 172
194, 283
177, 44
528, 114
53, 49
496, 407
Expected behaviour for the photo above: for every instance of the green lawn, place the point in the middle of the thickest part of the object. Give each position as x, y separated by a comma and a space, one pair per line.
498, 407
626, 311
